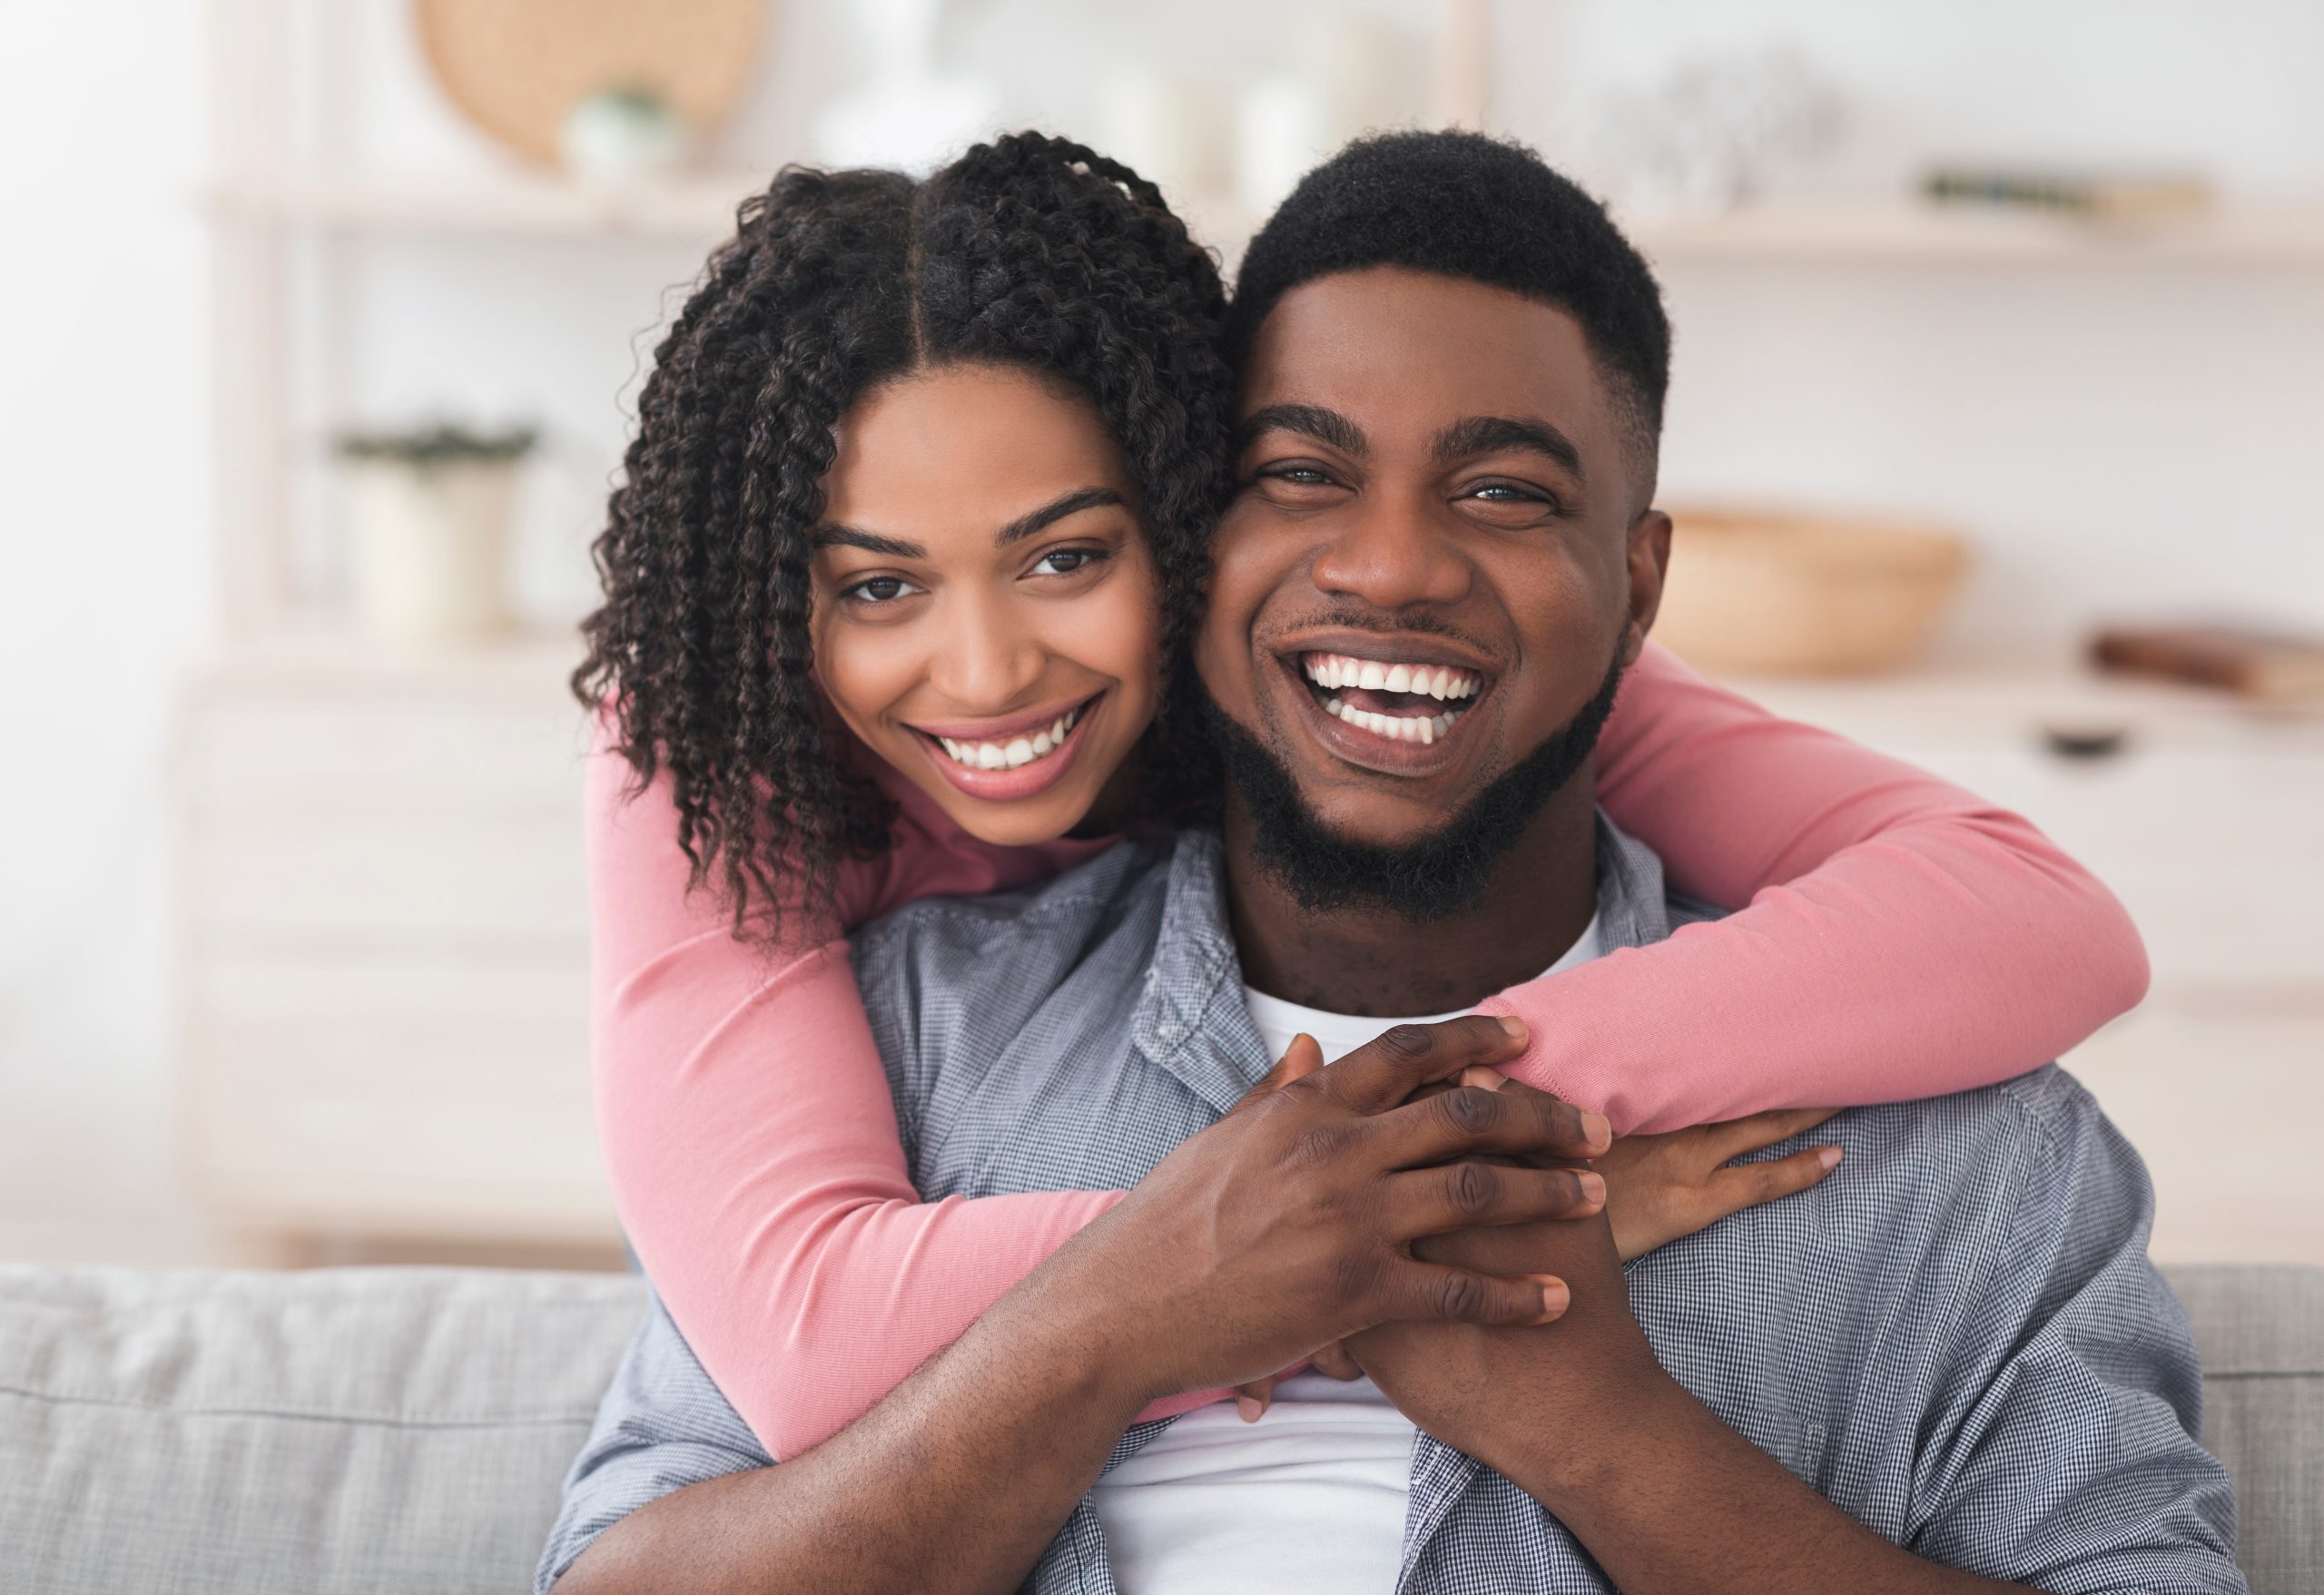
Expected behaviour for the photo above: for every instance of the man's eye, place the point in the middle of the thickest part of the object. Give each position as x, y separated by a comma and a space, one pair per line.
1066, 561
1297, 476
879, 589
1514, 495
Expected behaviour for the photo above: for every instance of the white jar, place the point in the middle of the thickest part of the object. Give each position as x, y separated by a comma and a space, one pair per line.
431, 547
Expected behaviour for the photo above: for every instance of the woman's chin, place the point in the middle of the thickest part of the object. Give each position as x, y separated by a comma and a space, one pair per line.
1026, 822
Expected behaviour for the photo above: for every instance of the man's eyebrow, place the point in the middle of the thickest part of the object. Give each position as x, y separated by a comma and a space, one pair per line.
1487, 434
1309, 420
833, 535
1055, 510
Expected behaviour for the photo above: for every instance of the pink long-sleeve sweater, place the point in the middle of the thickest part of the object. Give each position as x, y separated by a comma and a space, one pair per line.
1900, 939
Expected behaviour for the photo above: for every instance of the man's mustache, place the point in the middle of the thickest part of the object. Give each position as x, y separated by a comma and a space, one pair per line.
1385, 624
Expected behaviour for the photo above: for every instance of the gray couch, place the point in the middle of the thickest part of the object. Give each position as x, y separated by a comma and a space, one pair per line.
185, 1434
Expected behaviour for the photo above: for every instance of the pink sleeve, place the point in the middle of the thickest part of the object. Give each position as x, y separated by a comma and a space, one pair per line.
751, 1142
1901, 939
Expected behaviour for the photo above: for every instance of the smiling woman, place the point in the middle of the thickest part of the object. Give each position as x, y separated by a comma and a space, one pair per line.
987, 616
918, 462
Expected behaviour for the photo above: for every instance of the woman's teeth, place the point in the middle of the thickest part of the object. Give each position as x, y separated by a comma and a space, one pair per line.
1017, 749
1336, 673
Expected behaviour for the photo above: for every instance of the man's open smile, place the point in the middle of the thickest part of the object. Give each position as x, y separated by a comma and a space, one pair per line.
1391, 704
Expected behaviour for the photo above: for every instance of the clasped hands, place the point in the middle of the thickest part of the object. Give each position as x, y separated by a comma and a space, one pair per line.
1410, 1214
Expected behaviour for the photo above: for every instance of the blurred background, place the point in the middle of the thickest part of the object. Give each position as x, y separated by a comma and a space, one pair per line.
2000, 348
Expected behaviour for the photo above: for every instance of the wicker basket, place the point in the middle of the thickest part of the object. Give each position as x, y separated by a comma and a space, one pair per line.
516, 67
1790, 595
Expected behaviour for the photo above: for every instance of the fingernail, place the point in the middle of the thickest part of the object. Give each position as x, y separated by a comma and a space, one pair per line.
1249, 1407
1595, 1127
1829, 1157
1555, 1298
1593, 1186
1483, 1079
1513, 1027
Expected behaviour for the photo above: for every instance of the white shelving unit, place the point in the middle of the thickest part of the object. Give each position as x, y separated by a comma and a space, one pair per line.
2216, 1077
382, 929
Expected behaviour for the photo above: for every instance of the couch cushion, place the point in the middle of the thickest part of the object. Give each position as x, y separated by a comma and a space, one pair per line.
2261, 1331
400, 1429
250, 1433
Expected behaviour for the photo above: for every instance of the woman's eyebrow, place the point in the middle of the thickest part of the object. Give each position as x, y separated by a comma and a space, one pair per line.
1055, 510
834, 535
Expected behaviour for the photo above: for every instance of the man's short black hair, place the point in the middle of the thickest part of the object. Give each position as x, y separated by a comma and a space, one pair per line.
1485, 209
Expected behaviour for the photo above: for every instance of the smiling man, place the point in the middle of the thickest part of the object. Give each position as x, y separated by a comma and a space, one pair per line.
1949, 1367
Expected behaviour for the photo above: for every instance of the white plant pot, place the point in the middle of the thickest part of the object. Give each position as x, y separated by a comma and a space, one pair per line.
431, 547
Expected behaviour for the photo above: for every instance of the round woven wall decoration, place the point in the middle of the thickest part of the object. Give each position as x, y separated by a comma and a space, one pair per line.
516, 67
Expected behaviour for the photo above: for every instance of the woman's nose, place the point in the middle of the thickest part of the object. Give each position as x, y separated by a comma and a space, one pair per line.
1390, 556
984, 659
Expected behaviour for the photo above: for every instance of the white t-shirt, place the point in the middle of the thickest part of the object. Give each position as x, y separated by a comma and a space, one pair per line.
1311, 1499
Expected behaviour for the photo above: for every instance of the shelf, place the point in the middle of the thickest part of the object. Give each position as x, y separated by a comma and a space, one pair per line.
1906, 234
698, 207
2024, 697
522, 669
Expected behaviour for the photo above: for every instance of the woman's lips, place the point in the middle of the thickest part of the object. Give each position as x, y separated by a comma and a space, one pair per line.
1007, 783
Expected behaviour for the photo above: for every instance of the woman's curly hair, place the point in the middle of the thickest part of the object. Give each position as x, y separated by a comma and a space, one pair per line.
1029, 252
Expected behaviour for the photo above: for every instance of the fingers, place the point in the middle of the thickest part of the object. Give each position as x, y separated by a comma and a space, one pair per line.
1515, 1121
1251, 1401
1468, 1195
1749, 1184
1302, 1058
1750, 1134
1333, 1362
1432, 1291
1378, 1076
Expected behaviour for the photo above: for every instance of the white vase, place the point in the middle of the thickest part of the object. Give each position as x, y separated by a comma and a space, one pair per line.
430, 547
617, 139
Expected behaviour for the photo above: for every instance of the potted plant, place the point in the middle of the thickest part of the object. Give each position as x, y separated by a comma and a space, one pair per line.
430, 509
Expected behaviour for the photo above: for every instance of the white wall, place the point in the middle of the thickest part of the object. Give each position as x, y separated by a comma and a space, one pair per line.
104, 584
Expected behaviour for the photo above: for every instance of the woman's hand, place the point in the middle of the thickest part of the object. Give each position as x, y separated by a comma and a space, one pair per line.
1661, 1189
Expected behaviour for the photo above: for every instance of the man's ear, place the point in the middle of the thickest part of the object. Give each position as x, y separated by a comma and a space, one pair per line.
1649, 555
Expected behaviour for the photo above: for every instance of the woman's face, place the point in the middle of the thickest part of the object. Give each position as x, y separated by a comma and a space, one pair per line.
986, 616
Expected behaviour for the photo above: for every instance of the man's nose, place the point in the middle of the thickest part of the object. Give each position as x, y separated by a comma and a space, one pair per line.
984, 660
1388, 555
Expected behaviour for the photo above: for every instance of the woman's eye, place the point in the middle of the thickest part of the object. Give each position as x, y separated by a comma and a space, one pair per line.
879, 589
1066, 561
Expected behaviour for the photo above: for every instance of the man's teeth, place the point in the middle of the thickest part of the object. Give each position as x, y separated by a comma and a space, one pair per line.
1333, 671
1016, 751
1419, 728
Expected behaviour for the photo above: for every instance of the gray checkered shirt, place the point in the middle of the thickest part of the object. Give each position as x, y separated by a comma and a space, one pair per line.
1956, 1338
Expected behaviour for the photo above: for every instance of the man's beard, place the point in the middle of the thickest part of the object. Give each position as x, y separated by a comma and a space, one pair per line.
1425, 880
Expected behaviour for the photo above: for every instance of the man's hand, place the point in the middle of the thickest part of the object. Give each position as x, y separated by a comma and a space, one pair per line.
1290, 1222
1474, 1387
1659, 1189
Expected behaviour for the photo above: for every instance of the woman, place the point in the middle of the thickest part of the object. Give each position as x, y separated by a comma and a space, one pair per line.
911, 534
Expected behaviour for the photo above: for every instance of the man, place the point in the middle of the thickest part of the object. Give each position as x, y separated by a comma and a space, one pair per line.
1949, 1364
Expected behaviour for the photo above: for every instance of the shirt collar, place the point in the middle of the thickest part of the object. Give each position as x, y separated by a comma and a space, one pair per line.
1191, 1020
